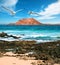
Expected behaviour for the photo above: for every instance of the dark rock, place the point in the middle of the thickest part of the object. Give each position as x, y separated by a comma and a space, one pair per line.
15, 37
3, 34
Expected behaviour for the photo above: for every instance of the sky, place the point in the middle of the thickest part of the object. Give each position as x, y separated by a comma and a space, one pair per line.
49, 10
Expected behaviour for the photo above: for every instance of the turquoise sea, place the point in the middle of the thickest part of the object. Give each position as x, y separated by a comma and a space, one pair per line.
40, 33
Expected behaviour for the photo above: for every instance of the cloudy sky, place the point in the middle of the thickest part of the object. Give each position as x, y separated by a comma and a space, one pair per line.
49, 10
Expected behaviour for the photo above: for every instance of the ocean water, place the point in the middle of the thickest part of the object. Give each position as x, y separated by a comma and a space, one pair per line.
39, 33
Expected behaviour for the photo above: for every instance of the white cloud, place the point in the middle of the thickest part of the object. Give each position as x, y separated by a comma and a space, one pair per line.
50, 11
45, 17
58, 0
9, 3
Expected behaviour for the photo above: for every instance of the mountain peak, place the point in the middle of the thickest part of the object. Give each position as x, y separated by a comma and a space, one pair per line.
28, 21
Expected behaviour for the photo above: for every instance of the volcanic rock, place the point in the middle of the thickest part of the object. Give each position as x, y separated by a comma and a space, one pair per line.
28, 21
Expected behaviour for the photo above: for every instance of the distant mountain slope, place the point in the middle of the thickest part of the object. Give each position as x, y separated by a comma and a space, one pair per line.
28, 21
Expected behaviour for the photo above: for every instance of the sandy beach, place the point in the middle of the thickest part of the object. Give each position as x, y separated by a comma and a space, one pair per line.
11, 59
14, 61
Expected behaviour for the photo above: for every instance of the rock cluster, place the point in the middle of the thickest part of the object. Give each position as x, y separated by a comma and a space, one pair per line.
5, 35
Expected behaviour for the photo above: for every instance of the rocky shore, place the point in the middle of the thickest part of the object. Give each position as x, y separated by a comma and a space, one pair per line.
49, 52
43, 51
5, 35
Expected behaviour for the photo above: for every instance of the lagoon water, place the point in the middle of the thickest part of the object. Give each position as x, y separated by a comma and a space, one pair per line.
40, 33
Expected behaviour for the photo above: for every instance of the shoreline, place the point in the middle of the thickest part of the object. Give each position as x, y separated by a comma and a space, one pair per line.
16, 55
9, 37
48, 52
